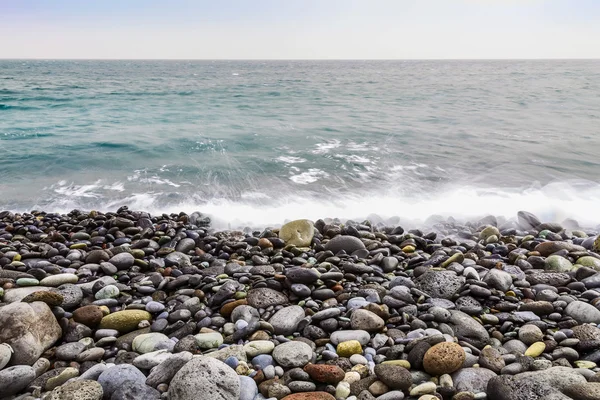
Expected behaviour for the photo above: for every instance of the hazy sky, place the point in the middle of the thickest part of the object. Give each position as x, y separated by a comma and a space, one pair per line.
314, 29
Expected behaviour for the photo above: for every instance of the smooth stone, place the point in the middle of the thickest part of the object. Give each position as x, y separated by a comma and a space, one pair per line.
166, 369
297, 233
349, 348
209, 340
58, 280
257, 347
107, 292
346, 243
292, 354
148, 342
583, 312
14, 379
248, 388
363, 337
6, 353
468, 329
122, 261
557, 263
125, 321
285, 321
366, 320
115, 377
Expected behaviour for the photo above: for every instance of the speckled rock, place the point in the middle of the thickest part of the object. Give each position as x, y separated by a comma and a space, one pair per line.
78, 390
124, 321
443, 358
205, 378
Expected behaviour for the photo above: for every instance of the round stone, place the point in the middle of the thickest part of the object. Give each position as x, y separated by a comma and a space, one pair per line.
88, 315
348, 348
205, 378
292, 354
297, 233
443, 358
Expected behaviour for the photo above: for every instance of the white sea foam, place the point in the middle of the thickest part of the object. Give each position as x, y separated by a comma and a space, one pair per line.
310, 176
324, 148
291, 160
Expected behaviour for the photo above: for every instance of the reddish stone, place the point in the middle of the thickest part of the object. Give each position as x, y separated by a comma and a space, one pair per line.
228, 308
325, 373
88, 315
309, 396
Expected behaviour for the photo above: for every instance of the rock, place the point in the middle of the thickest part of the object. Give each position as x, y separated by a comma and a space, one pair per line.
489, 231
443, 358
292, 354
122, 261
125, 321
472, 379
15, 379
209, 340
51, 298
584, 391
257, 347
265, 297
338, 337
558, 264
394, 376
309, 396
148, 342
205, 378
90, 315
236, 351
423, 388
547, 248
166, 370
583, 312
440, 284
347, 243
533, 385
366, 320
530, 334
18, 294
84, 389
30, 329
248, 388
491, 359
119, 375
135, 391
297, 233
58, 280
286, 320
348, 348
331, 374
498, 279
536, 349
469, 330
6, 353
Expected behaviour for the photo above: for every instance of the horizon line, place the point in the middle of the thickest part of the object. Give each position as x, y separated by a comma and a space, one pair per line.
299, 59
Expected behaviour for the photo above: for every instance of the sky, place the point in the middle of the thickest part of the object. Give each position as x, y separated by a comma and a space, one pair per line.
299, 29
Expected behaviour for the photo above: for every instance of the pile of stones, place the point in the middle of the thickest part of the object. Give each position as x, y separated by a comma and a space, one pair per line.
125, 305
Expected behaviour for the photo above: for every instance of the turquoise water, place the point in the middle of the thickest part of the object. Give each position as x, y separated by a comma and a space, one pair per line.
254, 142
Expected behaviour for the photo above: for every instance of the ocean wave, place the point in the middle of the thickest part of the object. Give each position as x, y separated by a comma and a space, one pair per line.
554, 202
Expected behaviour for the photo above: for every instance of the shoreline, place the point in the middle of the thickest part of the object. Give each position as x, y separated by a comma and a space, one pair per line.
121, 304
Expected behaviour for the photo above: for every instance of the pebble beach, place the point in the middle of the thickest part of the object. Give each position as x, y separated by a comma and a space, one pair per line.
128, 305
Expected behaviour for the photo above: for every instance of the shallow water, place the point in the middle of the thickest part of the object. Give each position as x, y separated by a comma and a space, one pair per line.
257, 143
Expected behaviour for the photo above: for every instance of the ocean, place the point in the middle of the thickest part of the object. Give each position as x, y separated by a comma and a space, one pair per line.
256, 143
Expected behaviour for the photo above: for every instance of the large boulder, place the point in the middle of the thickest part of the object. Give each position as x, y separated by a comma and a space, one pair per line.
30, 329
548, 383
205, 378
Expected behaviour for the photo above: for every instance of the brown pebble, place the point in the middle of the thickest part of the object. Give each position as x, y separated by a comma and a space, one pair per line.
443, 358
